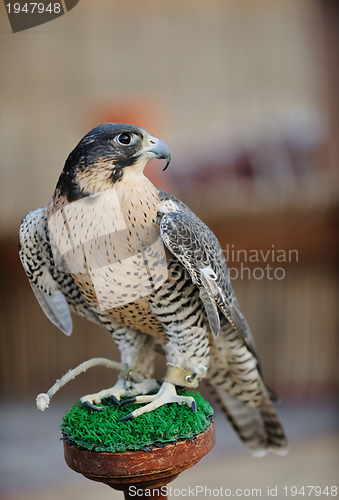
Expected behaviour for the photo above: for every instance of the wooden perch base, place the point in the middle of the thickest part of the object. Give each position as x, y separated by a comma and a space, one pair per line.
141, 469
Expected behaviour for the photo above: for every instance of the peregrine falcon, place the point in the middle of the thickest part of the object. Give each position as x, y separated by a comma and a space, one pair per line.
113, 248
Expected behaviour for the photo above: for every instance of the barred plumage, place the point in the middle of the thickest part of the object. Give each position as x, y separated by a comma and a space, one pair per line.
113, 248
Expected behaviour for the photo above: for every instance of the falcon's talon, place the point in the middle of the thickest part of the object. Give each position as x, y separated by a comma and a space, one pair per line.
130, 416
92, 406
127, 401
115, 400
194, 406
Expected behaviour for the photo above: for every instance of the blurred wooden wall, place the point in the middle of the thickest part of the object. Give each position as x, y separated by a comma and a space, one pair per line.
170, 66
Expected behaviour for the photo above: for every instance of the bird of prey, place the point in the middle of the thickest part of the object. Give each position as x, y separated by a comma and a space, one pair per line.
113, 248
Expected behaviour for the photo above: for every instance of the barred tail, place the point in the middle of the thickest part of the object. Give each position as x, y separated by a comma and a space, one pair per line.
259, 428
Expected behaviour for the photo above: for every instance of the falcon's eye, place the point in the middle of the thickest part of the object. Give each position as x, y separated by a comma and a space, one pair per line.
125, 139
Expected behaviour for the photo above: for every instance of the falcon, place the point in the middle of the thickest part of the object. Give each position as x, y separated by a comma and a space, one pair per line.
113, 248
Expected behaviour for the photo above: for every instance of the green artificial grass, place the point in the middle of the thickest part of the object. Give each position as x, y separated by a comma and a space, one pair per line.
101, 431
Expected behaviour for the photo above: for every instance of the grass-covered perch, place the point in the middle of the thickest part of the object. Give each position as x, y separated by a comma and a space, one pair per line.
101, 431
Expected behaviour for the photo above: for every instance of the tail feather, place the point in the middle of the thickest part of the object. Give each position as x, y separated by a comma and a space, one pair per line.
259, 428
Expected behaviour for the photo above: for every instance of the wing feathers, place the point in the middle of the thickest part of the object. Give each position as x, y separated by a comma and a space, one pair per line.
56, 309
34, 256
211, 311
198, 249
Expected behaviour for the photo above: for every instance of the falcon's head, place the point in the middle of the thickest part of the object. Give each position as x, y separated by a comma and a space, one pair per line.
104, 155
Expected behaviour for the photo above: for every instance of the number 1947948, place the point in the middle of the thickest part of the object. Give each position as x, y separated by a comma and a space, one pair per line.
311, 490
30, 8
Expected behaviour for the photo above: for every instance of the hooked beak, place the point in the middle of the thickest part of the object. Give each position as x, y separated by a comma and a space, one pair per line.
158, 149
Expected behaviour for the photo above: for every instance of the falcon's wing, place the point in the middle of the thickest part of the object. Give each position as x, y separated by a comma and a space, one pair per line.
54, 289
197, 248
36, 258
56, 309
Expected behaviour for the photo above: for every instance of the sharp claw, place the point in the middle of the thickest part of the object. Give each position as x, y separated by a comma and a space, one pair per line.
126, 417
92, 406
115, 400
129, 400
194, 406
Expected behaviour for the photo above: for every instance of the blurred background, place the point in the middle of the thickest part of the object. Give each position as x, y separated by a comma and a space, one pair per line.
245, 94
